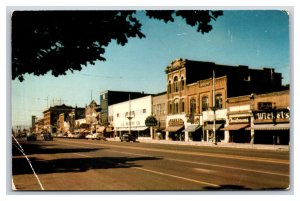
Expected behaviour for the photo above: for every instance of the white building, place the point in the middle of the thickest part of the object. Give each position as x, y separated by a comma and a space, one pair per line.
130, 116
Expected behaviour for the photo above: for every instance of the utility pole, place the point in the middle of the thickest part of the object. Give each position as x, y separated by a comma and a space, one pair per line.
214, 109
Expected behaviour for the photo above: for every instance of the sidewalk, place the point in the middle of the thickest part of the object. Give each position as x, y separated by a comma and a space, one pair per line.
210, 144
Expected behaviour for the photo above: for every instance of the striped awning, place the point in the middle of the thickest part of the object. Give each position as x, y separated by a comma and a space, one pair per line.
210, 127
234, 127
192, 128
173, 128
270, 127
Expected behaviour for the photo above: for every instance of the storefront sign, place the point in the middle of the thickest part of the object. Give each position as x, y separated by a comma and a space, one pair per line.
238, 119
272, 116
176, 122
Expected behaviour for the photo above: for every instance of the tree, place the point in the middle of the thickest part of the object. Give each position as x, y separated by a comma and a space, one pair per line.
59, 41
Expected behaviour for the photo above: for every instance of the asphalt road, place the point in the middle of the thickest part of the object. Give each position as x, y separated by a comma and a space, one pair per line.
79, 164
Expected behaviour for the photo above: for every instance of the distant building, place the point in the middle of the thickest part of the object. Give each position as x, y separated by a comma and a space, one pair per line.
108, 98
51, 117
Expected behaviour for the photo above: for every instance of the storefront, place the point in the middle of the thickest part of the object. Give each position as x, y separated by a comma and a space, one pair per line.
235, 131
195, 132
209, 134
271, 126
174, 130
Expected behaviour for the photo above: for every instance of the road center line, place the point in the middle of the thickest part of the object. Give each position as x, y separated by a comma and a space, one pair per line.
246, 158
207, 164
198, 163
177, 177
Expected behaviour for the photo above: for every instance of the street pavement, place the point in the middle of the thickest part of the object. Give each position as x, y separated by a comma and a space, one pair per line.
92, 165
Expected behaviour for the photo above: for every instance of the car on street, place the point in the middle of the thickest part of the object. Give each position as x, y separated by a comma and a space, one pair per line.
47, 137
97, 136
31, 137
77, 136
128, 137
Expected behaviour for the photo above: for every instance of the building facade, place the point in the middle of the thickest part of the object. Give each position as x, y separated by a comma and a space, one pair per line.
51, 117
197, 93
130, 116
159, 111
109, 97
259, 119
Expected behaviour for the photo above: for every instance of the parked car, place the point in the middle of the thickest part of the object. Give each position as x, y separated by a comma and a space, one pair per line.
78, 135
128, 137
97, 136
62, 135
31, 137
47, 137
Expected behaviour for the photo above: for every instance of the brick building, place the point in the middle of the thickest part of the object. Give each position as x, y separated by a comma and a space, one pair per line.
259, 119
190, 89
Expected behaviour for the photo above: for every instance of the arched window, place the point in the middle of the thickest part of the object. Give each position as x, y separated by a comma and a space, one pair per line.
218, 101
182, 84
192, 106
182, 105
204, 103
169, 87
170, 107
175, 81
176, 106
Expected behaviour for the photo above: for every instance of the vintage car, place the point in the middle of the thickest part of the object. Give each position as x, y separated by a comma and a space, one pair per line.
128, 137
93, 136
31, 137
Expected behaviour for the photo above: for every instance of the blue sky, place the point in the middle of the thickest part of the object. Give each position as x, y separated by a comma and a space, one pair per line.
254, 38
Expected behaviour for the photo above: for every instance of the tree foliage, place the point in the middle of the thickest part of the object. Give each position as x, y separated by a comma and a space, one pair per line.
59, 41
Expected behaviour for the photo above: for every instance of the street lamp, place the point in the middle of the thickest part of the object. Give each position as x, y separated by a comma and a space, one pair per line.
129, 116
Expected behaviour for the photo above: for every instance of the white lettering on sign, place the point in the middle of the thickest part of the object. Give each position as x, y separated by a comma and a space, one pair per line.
238, 120
272, 115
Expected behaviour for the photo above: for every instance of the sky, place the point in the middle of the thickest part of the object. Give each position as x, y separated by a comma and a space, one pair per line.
256, 38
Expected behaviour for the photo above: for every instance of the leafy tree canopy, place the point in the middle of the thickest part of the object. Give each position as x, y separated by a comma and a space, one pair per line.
59, 41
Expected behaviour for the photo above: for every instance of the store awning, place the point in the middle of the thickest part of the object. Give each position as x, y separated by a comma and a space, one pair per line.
139, 128
270, 127
210, 127
234, 127
192, 128
173, 128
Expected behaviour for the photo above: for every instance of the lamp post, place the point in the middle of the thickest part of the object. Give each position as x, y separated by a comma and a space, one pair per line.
129, 117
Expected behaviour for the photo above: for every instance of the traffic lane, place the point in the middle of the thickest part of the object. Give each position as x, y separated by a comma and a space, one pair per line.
138, 174
225, 178
205, 172
256, 163
77, 171
279, 154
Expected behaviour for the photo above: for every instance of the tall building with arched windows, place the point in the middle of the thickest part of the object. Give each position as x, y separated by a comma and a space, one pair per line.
193, 95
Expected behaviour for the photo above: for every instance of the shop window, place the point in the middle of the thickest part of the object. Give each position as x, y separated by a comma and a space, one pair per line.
204, 103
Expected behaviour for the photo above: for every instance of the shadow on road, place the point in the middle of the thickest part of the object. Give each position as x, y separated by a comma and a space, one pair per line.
46, 148
20, 165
